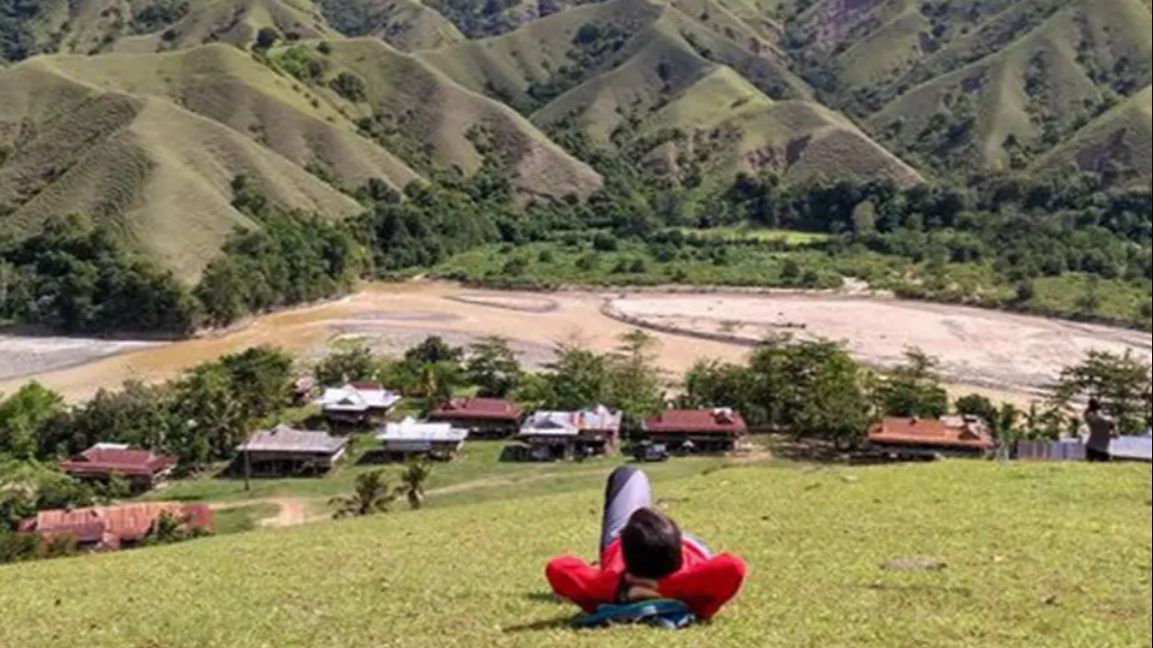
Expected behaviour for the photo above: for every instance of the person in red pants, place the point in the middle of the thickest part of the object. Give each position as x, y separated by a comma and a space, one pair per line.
644, 555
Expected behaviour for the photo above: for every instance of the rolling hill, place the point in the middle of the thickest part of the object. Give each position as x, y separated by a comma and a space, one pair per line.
691, 92
1121, 140
956, 86
998, 538
649, 79
233, 115
407, 25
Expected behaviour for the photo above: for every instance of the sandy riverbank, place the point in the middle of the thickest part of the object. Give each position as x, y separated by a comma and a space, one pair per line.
1003, 355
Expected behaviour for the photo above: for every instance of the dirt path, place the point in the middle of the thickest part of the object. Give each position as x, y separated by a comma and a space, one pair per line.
291, 511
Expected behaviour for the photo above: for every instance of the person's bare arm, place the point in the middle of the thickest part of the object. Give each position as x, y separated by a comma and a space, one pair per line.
640, 589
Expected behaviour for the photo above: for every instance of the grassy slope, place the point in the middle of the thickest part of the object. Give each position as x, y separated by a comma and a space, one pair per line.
1012, 65
1003, 104
1124, 134
1034, 554
667, 76
94, 26
156, 171
407, 25
437, 113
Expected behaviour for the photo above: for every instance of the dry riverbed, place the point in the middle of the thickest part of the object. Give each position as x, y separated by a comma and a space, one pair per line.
1003, 355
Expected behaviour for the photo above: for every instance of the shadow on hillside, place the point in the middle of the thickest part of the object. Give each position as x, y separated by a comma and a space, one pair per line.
823, 452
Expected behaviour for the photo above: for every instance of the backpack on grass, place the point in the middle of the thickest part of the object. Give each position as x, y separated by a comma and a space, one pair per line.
661, 613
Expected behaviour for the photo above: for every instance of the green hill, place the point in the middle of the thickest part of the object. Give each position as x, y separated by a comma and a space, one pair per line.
1023, 555
681, 85
961, 85
408, 25
416, 109
141, 26
298, 139
1118, 140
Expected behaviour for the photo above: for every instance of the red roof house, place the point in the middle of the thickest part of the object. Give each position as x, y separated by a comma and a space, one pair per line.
482, 417
957, 434
112, 527
101, 461
698, 429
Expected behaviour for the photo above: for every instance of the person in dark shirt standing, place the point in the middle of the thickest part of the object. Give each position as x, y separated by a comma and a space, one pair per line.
1102, 430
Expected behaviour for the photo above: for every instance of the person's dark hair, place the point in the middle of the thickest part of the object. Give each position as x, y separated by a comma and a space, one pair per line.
1094, 405
651, 544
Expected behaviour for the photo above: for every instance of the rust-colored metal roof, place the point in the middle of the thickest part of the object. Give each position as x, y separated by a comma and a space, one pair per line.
493, 409
696, 421
112, 525
958, 433
106, 461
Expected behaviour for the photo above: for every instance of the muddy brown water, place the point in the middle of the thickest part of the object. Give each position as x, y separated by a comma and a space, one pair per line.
438, 308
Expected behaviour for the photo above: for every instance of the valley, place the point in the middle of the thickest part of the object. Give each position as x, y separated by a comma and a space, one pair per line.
1010, 357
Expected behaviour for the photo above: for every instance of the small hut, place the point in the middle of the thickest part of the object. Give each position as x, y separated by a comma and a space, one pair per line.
285, 451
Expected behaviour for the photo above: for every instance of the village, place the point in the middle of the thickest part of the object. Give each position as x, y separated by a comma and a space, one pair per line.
384, 427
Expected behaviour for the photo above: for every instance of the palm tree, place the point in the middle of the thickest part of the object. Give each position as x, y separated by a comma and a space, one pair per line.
413, 480
372, 496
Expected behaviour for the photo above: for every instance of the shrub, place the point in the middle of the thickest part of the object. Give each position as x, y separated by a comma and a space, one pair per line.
349, 86
605, 242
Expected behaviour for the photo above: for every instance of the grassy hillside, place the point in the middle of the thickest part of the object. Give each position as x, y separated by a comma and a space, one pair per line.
296, 137
958, 85
686, 86
408, 25
1004, 535
414, 109
141, 26
1118, 141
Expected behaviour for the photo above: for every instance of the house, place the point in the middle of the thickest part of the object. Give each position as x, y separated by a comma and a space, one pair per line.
696, 430
551, 436
409, 438
143, 469
357, 404
950, 435
107, 528
287, 451
484, 418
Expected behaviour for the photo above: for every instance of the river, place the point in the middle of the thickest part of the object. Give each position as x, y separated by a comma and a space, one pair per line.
1004, 356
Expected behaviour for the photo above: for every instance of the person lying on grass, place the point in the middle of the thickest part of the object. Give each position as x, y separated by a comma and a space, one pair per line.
643, 556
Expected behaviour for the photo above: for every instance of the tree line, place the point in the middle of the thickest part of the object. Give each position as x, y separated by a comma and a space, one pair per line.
77, 276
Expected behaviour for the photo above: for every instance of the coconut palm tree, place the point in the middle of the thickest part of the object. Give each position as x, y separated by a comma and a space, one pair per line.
372, 495
413, 480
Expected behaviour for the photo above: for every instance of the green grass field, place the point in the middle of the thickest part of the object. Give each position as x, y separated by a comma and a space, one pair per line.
1034, 555
477, 475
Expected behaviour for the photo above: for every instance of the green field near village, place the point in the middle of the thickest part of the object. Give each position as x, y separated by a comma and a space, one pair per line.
956, 553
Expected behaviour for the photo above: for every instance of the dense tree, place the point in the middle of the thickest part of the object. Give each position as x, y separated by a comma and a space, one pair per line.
576, 378
137, 414
808, 388
636, 383
78, 277
434, 349
23, 415
493, 367
913, 389
210, 417
262, 377
1122, 383
349, 361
